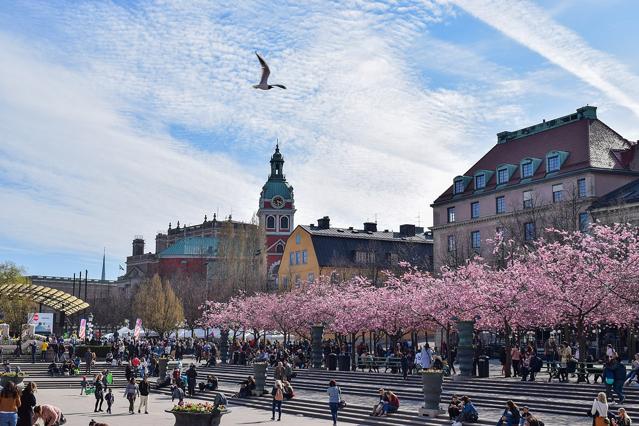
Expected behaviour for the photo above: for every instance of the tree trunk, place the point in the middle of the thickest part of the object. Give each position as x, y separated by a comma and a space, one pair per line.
581, 340
507, 348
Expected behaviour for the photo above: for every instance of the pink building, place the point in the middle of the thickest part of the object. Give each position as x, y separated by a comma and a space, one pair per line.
546, 175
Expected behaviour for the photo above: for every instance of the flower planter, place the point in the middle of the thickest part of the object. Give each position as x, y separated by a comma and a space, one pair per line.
15, 379
432, 389
185, 418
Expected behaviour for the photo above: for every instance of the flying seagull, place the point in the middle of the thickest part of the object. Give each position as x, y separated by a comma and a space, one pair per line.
265, 73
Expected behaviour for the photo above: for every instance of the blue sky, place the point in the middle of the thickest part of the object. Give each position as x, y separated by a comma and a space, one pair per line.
119, 117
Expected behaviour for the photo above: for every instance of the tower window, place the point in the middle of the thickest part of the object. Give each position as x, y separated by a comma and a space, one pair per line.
284, 222
279, 248
270, 222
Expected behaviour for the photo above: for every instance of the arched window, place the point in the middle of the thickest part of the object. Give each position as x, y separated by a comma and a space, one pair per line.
270, 222
279, 248
284, 222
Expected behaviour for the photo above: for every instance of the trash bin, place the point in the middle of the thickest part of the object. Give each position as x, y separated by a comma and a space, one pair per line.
344, 362
482, 366
331, 361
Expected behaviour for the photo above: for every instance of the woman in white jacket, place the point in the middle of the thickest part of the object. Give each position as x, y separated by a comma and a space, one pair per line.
599, 410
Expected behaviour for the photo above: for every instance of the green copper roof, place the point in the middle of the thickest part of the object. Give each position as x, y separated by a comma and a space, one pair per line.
277, 187
192, 246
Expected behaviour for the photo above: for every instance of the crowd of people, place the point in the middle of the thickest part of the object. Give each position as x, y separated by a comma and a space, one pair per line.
20, 408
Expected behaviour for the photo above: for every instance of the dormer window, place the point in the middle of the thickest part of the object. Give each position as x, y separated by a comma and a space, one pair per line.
554, 160
502, 176
526, 170
480, 181
459, 186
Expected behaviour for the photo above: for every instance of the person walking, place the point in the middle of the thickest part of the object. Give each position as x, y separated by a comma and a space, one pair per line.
99, 393
50, 415
278, 396
9, 404
83, 385
427, 357
109, 400
131, 392
515, 357
404, 364
27, 402
88, 359
334, 398
144, 395
599, 410
33, 348
619, 378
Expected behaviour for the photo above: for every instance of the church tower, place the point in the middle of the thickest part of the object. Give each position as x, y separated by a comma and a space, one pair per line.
276, 212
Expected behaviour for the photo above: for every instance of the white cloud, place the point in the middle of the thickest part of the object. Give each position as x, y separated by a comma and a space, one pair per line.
534, 28
87, 152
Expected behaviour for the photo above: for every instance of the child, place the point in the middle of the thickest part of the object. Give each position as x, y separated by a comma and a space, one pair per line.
109, 400
83, 385
178, 393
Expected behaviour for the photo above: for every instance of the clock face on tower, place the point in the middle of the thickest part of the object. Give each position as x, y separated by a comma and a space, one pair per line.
277, 202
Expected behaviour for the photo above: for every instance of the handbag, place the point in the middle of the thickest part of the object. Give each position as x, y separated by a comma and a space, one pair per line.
342, 404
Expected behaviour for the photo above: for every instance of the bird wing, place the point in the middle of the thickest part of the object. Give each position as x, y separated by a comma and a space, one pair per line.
265, 70
281, 86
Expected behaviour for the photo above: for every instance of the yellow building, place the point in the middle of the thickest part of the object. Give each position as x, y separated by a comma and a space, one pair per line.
341, 253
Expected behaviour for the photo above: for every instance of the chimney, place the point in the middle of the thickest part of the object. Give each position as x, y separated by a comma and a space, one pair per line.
324, 223
407, 230
138, 246
370, 227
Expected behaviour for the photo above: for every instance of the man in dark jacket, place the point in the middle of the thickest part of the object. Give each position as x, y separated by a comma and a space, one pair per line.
619, 379
88, 359
191, 379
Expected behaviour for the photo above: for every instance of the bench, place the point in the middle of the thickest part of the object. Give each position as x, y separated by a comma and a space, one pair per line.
374, 363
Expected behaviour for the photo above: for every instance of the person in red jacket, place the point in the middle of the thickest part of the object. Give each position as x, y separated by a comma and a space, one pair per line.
391, 403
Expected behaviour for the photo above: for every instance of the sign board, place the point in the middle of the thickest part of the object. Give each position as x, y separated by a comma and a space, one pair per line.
43, 322
138, 328
83, 328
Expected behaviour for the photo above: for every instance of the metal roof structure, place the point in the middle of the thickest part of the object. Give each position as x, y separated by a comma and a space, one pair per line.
55, 299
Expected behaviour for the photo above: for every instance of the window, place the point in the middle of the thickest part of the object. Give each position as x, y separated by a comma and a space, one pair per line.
291, 259
500, 205
583, 222
528, 201
552, 164
450, 212
475, 239
502, 176
581, 188
298, 239
364, 257
474, 210
459, 186
279, 248
298, 280
526, 170
297, 257
452, 243
557, 193
529, 231
392, 258
311, 277
270, 222
480, 181
284, 222
334, 277
304, 257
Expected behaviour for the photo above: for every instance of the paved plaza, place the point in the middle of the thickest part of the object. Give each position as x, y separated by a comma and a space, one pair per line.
79, 411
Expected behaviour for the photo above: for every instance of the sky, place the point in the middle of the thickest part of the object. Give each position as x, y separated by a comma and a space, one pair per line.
119, 117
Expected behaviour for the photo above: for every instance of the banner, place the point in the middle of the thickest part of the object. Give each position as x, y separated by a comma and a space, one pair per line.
43, 322
83, 327
138, 328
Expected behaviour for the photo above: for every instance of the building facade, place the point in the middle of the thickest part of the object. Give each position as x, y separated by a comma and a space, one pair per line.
341, 253
546, 175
